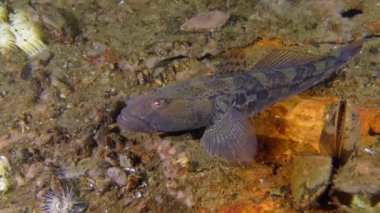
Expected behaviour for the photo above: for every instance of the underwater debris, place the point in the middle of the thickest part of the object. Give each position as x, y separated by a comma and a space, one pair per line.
70, 170
206, 21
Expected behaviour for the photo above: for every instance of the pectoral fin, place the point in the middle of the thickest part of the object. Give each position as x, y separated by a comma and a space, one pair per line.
230, 138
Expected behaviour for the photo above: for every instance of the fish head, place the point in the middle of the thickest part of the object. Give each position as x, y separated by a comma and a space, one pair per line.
164, 111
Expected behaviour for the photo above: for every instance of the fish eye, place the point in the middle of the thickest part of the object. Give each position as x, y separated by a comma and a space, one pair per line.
160, 103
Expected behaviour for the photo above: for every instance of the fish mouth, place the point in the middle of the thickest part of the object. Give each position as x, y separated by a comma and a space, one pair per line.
128, 121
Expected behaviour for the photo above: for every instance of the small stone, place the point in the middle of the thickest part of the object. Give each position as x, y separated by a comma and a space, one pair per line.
34, 170
117, 175
206, 21
310, 177
140, 78
124, 65
152, 62
359, 175
95, 172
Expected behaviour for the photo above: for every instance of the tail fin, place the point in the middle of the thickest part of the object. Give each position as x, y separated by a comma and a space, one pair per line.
349, 51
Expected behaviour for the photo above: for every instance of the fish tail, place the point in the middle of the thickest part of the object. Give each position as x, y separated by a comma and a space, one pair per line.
346, 53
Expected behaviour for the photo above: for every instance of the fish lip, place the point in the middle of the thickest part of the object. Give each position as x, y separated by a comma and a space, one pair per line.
129, 121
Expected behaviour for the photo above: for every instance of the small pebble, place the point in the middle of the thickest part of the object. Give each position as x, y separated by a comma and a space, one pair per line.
117, 175
34, 170
205, 21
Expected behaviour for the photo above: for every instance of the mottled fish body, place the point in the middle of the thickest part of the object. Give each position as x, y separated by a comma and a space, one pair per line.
223, 102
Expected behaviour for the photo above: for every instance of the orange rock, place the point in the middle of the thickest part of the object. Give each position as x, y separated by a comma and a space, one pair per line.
375, 125
369, 121
296, 123
247, 206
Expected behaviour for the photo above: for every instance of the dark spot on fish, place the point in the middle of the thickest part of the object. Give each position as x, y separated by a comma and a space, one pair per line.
262, 94
250, 91
251, 105
239, 99
303, 73
197, 133
298, 77
219, 110
351, 13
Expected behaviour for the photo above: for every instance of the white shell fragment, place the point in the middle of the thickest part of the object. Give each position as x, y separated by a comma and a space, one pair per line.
5, 174
206, 21
7, 39
26, 33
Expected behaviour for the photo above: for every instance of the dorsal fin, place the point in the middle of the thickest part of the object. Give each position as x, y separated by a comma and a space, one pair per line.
280, 59
232, 61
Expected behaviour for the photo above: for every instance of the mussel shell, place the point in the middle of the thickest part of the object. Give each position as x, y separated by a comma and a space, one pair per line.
340, 134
